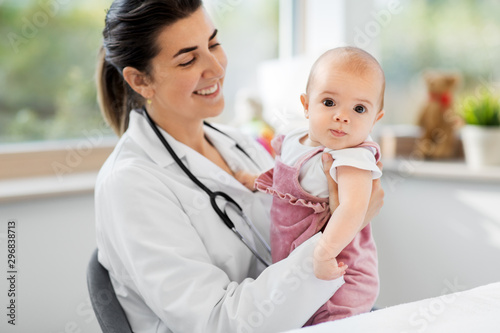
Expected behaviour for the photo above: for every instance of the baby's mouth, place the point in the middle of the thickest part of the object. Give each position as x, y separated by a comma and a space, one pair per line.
338, 133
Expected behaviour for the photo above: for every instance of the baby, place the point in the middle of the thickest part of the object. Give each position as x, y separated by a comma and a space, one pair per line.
344, 99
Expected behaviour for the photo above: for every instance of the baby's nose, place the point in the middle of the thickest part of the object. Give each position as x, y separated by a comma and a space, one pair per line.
341, 117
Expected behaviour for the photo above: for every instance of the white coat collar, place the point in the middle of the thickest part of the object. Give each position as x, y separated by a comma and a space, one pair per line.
141, 132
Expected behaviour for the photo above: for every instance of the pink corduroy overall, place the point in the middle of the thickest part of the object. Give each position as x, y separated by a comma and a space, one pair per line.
297, 215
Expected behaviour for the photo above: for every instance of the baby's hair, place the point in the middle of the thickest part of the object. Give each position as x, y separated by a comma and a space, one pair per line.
352, 59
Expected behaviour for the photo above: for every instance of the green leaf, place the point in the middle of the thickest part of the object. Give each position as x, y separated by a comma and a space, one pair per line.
482, 109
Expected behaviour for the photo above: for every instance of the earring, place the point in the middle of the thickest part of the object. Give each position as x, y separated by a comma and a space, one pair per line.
148, 101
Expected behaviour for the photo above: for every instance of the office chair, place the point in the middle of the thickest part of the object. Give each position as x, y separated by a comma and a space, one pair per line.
107, 309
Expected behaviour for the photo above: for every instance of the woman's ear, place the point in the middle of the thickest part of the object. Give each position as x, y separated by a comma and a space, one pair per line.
304, 99
139, 82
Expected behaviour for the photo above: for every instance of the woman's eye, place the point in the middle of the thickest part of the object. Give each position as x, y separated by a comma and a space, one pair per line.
328, 103
359, 109
184, 64
214, 45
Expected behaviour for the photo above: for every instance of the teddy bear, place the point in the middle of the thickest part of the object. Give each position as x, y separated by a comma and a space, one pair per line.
437, 119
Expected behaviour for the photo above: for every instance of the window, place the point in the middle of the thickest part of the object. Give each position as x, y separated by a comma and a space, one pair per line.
47, 92
50, 124
249, 32
407, 37
461, 36
49, 51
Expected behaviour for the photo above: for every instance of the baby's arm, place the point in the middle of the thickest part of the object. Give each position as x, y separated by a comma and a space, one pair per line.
246, 178
354, 188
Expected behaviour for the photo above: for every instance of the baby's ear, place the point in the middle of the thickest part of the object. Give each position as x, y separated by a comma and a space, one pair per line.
379, 116
304, 99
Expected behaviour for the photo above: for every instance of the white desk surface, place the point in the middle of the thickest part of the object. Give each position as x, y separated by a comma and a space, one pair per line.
474, 310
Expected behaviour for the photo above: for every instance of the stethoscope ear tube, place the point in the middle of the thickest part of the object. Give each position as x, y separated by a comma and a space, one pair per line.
213, 195
174, 155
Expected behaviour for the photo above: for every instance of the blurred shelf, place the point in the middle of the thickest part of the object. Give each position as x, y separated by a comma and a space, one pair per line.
449, 170
400, 157
47, 186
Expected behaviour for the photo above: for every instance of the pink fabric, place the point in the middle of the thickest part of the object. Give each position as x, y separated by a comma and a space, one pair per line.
297, 215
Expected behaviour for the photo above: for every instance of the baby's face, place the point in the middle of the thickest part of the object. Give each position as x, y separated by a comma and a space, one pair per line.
342, 107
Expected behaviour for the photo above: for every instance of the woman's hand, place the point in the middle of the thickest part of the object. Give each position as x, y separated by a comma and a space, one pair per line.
333, 188
326, 267
325, 262
247, 179
376, 199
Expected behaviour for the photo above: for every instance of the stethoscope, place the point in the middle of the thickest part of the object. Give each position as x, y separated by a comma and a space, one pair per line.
213, 195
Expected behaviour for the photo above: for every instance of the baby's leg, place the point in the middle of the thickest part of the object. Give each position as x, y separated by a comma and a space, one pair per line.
360, 291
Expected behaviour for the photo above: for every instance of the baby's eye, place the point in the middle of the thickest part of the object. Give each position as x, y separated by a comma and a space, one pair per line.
360, 109
328, 103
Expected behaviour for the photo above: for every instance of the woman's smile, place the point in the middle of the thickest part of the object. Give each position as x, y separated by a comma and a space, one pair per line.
211, 91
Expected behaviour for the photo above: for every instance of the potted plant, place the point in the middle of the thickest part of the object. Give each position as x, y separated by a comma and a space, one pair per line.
481, 133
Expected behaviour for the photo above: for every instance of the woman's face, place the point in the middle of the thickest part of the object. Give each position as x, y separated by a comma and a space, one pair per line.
188, 73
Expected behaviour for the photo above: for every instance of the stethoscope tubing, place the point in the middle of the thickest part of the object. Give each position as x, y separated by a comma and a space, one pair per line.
213, 195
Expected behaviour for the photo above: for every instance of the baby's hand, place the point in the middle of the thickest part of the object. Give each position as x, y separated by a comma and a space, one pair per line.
326, 267
247, 179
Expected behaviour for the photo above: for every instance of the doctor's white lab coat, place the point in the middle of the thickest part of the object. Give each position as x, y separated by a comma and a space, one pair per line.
174, 264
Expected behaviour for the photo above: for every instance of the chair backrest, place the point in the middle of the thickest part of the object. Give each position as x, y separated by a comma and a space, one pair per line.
107, 309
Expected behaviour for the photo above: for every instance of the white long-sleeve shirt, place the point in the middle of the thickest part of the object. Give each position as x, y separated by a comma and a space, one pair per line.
174, 264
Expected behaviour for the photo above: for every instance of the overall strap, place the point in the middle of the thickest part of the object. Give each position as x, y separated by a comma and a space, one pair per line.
304, 158
276, 143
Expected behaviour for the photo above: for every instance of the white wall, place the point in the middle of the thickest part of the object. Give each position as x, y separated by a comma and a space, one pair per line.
432, 234
56, 237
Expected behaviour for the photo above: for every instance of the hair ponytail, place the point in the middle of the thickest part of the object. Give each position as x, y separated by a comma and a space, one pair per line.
111, 94
130, 33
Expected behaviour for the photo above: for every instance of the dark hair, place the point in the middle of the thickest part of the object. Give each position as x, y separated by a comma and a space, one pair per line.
130, 34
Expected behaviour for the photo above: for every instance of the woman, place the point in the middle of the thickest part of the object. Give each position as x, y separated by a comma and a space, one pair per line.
174, 264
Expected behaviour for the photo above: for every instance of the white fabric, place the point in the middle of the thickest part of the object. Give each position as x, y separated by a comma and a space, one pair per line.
475, 310
174, 264
311, 176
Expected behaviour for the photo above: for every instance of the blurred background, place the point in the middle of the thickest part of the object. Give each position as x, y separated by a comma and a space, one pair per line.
440, 217
49, 47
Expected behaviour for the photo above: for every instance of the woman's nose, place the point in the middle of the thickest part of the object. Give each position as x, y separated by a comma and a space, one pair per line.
215, 67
